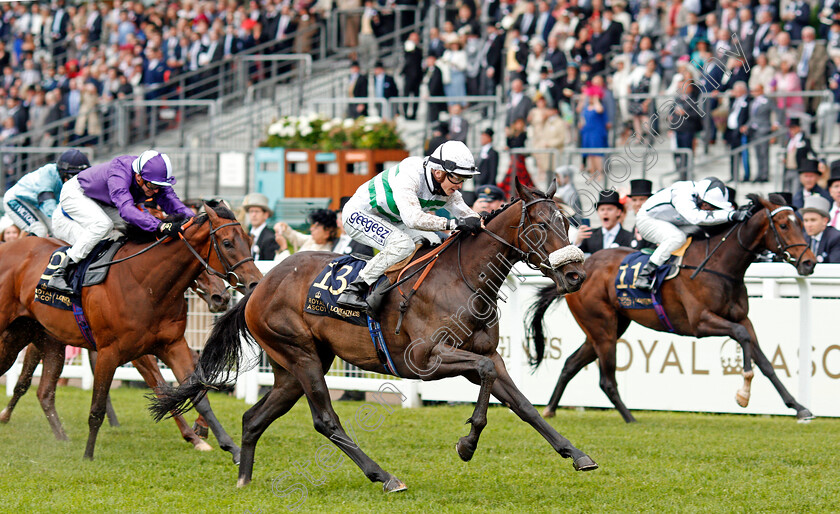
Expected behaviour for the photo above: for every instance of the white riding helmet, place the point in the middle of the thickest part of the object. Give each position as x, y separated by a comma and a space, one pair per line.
453, 157
715, 193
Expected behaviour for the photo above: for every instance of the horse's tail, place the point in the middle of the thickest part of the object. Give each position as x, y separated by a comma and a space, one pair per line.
535, 329
217, 367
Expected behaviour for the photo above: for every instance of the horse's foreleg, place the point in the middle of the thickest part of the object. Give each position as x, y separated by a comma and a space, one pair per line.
109, 407
506, 392
576, 362
106, 364
178, 357
711, 324
802, 413
31, 358
148, 369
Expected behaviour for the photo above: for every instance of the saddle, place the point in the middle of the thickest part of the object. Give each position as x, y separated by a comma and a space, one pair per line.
87, 273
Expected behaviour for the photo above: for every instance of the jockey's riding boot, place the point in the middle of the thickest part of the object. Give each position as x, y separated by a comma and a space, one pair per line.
59, 281
353, 296
644, 282
374, 299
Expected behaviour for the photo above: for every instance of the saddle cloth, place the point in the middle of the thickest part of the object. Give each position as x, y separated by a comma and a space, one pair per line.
322, 298
625, 281
81, 275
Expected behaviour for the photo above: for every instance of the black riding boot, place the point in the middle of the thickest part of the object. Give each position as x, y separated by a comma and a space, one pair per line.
644, 282
59, 279
353, 296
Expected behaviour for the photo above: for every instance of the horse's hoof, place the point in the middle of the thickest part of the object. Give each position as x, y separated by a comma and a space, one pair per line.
394, 485
5, 416
202, 446
804, 416
242, 483
235, 456
585, 463
465, 449
742, 400
548, 413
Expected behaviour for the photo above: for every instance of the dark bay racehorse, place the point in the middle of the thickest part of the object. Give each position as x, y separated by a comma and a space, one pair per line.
138, 310
713, 304
209, 288
449, 330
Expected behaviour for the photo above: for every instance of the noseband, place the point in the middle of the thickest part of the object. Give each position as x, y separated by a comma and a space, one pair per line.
229, 274
552, 262
781, 247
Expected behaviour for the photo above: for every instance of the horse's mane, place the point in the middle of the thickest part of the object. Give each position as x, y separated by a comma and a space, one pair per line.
136, 235
489, 217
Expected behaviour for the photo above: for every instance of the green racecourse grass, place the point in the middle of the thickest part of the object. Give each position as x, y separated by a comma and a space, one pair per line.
666, 462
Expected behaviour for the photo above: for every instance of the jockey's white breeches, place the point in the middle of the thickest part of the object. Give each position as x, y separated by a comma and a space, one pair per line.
667, 235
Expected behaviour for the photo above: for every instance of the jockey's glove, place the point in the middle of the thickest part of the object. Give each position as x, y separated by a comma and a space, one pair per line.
169, 229
471, 224
740, 215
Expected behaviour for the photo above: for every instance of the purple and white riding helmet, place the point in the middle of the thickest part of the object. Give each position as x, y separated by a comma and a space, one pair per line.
154, 167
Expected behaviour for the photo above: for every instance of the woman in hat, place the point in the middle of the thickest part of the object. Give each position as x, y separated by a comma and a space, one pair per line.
455, 59
322, 237
593, 127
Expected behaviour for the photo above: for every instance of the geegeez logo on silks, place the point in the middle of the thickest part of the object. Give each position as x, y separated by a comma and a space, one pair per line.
370, 226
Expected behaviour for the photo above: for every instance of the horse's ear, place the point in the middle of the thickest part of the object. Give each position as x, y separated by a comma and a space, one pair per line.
551, 189
521, 190
211, 213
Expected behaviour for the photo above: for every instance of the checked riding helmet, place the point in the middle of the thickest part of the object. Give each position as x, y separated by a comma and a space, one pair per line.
70, 163
154, 167
454, 158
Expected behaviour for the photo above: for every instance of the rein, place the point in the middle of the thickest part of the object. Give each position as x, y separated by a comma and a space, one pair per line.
204, 262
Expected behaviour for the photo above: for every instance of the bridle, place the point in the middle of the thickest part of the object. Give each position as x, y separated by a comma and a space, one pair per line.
545, 264
229, 274
782, 248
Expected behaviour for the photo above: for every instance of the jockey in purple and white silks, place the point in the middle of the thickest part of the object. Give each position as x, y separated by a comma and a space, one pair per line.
91, 200
662, 217
395, 210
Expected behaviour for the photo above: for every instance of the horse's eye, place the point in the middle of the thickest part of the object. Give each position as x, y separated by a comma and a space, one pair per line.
783, 226
227, 244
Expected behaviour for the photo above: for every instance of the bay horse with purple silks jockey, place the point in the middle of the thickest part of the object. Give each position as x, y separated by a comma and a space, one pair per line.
209, 288
716, 304
459, 293
139, 309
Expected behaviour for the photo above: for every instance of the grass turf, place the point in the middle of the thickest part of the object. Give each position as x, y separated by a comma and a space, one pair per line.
666, 462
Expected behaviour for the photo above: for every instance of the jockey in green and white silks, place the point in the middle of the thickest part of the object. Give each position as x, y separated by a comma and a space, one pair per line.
30, 203
395, 210
664, 215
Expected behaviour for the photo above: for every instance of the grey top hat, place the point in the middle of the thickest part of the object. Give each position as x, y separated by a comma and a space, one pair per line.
257, 200
816, 204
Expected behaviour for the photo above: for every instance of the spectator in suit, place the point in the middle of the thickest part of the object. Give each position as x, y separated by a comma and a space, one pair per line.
545, 20
155, 72
736, 128
761, 124
809, 174
555, 57
358, 89
686, 121
264, 244
640, 191
434, 80
610, 234
436, 46
796, 16
412, 73
519, 104
527, 21
489, 198
797, 152
823, 240
231, 44
811, 66
834, 192
492, 69
488, 160
439, 132
458, 125
384, 85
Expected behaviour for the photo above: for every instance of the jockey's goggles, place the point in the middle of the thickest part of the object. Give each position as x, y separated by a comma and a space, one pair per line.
151, 185
456, 179
451, 167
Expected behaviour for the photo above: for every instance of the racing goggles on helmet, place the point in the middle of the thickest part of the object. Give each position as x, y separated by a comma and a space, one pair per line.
451, 167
